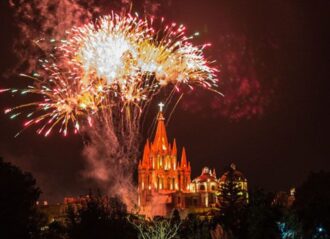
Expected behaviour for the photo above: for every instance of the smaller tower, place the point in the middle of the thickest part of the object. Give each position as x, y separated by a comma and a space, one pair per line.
184, 172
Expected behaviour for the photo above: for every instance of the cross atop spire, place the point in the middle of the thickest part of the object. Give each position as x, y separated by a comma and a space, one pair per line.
161, 106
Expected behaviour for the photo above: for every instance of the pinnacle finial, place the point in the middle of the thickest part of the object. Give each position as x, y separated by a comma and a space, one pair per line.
174, 148
184, 158
233, 166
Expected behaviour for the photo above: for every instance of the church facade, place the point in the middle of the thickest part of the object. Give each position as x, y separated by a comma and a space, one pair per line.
164, 179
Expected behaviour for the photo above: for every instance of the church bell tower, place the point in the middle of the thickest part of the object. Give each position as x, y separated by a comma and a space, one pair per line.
159, 171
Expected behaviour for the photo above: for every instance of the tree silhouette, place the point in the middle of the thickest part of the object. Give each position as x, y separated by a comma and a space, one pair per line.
190, 227
261, 216
193, 227
232, 202
99, 218
55, 230
312, 205
19, 193
175, 219
157, 229
290, 226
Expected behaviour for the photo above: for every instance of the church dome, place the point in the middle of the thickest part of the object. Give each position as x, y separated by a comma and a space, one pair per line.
238, 175
206, 176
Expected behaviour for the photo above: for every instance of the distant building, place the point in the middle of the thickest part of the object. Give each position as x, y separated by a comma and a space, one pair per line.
285, 199
164, 182
58, 211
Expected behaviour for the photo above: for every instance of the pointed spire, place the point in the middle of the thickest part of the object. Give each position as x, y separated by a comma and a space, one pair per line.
174, 149
146, 154
160, 143
184, 158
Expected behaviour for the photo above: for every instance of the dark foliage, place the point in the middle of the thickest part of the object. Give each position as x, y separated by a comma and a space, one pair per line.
242, 219
160, 228
19, 193
194, 228
232, 205
312, 205
290, 226
175, 219
100, 218
261, 216
55, 230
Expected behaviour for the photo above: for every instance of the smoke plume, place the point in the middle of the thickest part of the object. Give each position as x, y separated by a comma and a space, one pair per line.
111, 152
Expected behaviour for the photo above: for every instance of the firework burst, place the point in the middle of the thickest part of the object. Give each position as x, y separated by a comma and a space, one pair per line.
116, 61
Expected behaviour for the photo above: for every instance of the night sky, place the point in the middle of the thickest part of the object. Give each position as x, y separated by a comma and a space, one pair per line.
273, 123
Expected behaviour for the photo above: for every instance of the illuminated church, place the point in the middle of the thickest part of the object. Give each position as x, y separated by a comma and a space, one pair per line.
164, 180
